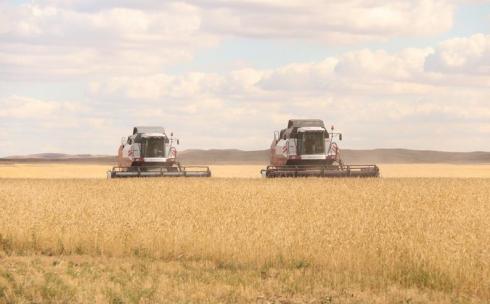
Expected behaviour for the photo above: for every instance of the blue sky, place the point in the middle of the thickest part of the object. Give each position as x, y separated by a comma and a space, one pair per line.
75, 75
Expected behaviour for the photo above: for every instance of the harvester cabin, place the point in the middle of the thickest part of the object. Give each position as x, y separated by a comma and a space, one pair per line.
152, 141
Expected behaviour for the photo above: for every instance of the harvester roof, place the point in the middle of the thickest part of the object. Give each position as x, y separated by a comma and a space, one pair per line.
141, 130
299, 123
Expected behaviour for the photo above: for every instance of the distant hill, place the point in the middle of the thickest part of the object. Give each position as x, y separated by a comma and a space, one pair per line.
52, 156
231, 156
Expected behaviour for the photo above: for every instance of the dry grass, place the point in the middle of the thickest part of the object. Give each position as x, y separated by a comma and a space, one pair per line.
85, 279
83, 171
243, 240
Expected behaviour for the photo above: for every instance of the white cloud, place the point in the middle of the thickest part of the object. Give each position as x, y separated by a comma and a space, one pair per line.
348, 21
468, 55
41, 125
365, 92
73, 38
354, 73
39, 42
191, 85
20, 107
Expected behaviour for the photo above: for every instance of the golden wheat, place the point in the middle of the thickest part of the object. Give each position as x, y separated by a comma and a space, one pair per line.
418, 233
52, 170
84, 171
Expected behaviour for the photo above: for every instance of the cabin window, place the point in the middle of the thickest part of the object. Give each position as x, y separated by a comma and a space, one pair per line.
153, 147
311, 143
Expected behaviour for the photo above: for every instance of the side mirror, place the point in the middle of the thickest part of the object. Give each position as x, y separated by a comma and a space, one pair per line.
340, 136
178, 142
327, 135
123, 140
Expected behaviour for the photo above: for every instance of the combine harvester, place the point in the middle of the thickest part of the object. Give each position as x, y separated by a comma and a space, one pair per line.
306, 148
149, 152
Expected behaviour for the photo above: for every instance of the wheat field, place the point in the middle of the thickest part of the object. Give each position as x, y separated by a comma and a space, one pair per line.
237, 240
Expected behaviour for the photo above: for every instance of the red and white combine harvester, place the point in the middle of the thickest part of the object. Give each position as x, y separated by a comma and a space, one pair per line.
149, 152
306, 148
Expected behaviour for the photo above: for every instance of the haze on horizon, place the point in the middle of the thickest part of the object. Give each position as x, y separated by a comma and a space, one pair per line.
77, 75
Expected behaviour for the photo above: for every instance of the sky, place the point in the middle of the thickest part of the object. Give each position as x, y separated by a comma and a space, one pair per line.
77, 75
